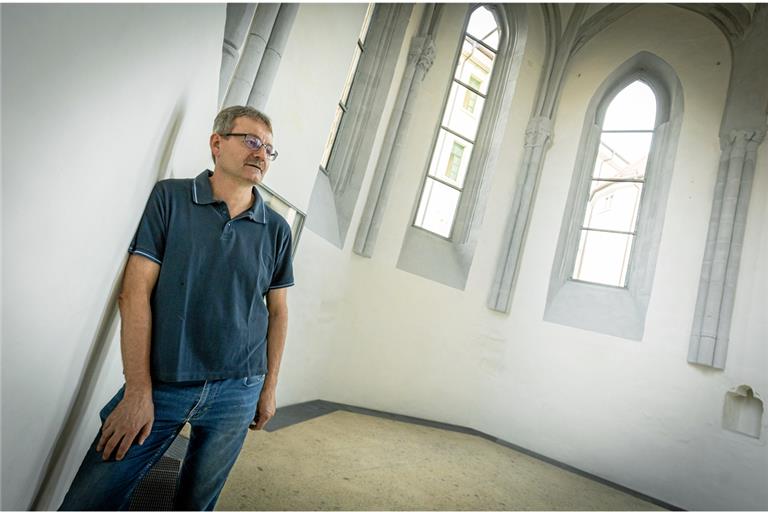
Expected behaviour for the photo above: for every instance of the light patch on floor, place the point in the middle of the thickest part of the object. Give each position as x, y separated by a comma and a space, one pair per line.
348, 461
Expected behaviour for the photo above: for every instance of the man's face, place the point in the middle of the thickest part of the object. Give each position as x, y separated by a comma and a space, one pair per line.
237, 160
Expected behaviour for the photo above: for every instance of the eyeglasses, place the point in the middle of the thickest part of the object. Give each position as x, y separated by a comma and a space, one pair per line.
254, 143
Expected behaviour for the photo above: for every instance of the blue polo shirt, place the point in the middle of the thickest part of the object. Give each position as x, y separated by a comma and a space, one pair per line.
209, 317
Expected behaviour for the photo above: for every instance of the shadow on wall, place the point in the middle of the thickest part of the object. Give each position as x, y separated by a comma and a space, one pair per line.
105, 332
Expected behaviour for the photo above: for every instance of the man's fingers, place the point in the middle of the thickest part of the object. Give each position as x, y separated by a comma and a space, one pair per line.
105, 435
263, 420
124, 445
110, 446
144, 434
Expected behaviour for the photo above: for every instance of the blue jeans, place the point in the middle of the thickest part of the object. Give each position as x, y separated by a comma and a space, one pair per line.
219, 412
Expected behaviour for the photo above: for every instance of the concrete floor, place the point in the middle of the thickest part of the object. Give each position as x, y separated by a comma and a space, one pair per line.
349, 461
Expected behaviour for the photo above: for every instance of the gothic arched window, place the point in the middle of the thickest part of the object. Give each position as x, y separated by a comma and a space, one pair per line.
458, 130
609, 227
602, 273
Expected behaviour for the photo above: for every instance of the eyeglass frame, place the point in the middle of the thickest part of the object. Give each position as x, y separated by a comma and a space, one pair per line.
271, 154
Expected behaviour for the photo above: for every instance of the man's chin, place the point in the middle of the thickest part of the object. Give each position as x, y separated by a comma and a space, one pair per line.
255, 176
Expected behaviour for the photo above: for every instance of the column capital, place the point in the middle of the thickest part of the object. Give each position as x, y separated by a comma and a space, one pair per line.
422, 52
742, 137
538, 131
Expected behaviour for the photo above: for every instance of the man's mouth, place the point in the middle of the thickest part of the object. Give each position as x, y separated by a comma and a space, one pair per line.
256, 165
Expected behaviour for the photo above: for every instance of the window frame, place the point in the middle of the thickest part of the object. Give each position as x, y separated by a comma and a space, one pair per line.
618, 311
600, 122
480, 131
424, 253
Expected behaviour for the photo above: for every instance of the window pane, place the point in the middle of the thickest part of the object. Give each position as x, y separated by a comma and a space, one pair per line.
475, 62
350, 75
331, 137
460, 119
603, 257
437, 207
366, 22
613, 205
450, 159
622, 155
482, 25
634, 108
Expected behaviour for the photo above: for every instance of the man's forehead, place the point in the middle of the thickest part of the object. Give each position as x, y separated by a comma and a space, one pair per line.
244, 124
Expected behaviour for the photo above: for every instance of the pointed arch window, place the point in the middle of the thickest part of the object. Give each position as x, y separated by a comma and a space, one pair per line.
603, 269
609, 227
462, 113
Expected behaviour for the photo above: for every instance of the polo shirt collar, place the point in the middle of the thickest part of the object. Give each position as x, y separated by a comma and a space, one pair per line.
203, 194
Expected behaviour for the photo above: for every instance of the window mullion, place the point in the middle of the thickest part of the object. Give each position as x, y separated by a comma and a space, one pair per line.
620, 180
482, 43
457, 134
436, 178
470, 88
614, 231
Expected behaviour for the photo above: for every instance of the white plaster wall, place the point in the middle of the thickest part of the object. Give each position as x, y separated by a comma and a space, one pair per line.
635, 413
88, 95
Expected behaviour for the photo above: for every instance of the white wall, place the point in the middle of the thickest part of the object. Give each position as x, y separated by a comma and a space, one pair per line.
635, 413
88, 95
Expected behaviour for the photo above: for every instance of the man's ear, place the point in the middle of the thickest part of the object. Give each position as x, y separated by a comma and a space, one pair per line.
214, 142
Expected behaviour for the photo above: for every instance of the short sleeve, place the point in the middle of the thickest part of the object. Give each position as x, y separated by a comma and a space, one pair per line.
149, 240
282, 276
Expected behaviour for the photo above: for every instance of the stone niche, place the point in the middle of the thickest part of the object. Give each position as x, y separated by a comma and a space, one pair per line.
743, 412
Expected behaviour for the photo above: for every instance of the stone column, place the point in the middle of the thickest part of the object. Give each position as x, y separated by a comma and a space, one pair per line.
743, 129
420, 59
255, 44
273, 52
717, 287
239, 18
537, 135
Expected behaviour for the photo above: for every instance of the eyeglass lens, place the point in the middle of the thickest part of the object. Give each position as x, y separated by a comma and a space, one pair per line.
255, 143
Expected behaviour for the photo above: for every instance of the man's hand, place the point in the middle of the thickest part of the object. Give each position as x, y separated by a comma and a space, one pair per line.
265, 410
132, 417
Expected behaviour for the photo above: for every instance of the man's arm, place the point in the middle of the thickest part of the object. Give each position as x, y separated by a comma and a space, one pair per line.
277, 330
135, 413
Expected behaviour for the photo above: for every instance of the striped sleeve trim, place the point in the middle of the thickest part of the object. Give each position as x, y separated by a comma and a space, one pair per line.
281, 286
146, 255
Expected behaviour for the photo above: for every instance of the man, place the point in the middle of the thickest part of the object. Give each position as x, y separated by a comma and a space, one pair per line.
198, 342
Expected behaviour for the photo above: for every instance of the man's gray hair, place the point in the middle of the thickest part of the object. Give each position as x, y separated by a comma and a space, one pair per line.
225, 120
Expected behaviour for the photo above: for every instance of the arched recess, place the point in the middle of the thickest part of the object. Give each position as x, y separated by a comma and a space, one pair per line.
619, 311
448, 260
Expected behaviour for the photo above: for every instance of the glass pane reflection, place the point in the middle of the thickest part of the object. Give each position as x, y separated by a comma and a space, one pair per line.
613, 205
463, 110
475, 65
450, 159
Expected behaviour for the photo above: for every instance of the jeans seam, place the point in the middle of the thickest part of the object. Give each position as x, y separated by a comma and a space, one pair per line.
203, 396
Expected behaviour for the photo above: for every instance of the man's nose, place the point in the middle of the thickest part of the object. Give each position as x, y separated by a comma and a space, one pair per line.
261, 149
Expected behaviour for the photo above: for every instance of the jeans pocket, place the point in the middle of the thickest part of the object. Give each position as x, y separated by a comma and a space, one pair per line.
253, 381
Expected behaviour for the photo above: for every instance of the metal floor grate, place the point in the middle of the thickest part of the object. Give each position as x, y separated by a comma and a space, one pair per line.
157, 490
